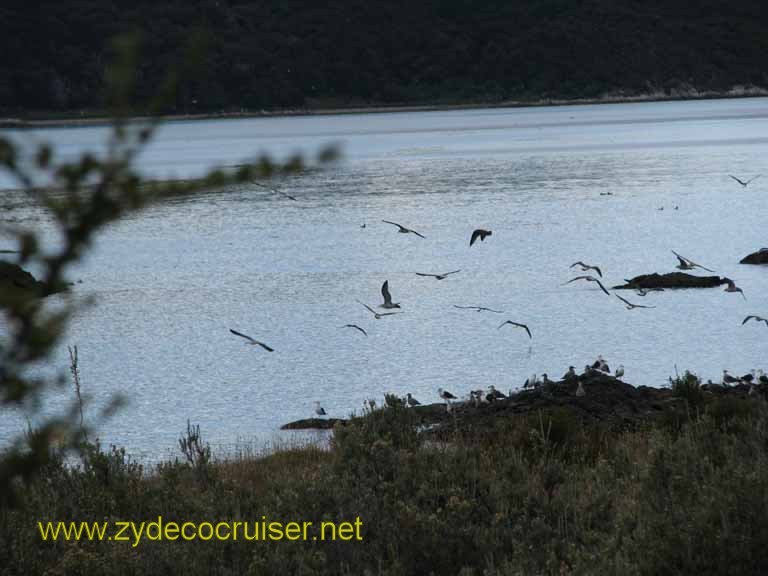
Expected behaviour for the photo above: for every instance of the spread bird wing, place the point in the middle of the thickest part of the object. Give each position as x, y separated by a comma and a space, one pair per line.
475, 236
754, 178
737, 180
428, 275
394, 224
371, 310
385, 293
236, 333
452, 272
356, 327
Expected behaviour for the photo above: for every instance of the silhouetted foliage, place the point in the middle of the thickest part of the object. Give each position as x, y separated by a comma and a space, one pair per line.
290, 53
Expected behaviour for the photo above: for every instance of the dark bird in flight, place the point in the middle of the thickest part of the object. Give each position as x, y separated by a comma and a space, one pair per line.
589, 279
387, 297
403, 229
437, 276
747, 182
275, 190
585, 267
629, 304
251, 341
377, 315
733, 288
479, 309
756, 319
518, 325
644, 291
688, 264
479, 233
356, 327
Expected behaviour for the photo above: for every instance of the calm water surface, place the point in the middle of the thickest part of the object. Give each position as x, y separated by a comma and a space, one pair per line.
170, 282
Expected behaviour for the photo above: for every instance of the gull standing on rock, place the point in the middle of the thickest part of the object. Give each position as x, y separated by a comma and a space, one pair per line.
445, 395
319, 410
620, 371
571, 374
728, 379
411, 401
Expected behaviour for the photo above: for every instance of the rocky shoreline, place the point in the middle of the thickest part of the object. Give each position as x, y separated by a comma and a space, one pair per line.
607, 401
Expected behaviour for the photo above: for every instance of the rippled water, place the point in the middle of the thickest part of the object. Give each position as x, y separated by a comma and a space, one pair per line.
170, 282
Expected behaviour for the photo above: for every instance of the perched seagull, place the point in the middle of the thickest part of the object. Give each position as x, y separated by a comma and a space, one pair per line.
688, 264
523, 326
545, 379
630, 305
403, 229
251, 341
589, 279
275, 190
445, 395
531, 382
377, 315
494, 394
747, 182
580, 390
748, 378
733, 288
438, 276
620, 371
319, 410
601, 365
761, 377
387, 297
570, 375
479, 233
411, 401
356, 327
756, 319
479, 309
728, 379
585, 267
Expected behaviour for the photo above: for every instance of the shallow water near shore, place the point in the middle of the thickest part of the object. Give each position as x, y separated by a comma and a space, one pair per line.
168, 283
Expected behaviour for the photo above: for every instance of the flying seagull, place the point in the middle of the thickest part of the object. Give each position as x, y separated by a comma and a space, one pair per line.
275, 190
403, 229
589, 279
644, 291
438, 276
585, 267
756, 319
479, 233
251, 341
629, 304
356, 327
688, 264
518, 325
747, 182
377, 315
733, 288
479, 309
387, 297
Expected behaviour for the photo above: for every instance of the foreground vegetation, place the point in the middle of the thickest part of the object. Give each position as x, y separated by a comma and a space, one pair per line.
293, 53
539, 494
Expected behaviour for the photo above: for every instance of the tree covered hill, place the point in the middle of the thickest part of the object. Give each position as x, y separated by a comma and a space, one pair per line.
267, 54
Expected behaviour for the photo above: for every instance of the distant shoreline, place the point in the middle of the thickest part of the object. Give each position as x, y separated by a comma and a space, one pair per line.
99, 119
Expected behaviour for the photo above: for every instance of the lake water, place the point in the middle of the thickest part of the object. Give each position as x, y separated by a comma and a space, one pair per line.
170, 282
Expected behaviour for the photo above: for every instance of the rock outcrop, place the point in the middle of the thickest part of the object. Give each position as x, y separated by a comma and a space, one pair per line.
672, 280
759, 257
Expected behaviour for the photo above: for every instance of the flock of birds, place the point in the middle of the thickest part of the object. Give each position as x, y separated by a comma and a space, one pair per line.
491, 395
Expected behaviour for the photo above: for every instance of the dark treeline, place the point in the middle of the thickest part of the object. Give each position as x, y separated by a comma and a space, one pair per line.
292, 53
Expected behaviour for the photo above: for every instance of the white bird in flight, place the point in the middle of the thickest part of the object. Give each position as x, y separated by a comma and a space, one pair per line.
387, 297
377, 315
688, 264
251, 341
589, 279
437, 276
586, 267
518, 325
629, 304
403, 229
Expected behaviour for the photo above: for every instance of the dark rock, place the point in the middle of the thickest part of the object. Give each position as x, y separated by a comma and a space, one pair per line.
759, 257
672, 280
314, 424
15, 282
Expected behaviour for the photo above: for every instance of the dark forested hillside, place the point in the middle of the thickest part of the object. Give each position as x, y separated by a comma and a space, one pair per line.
290, 53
